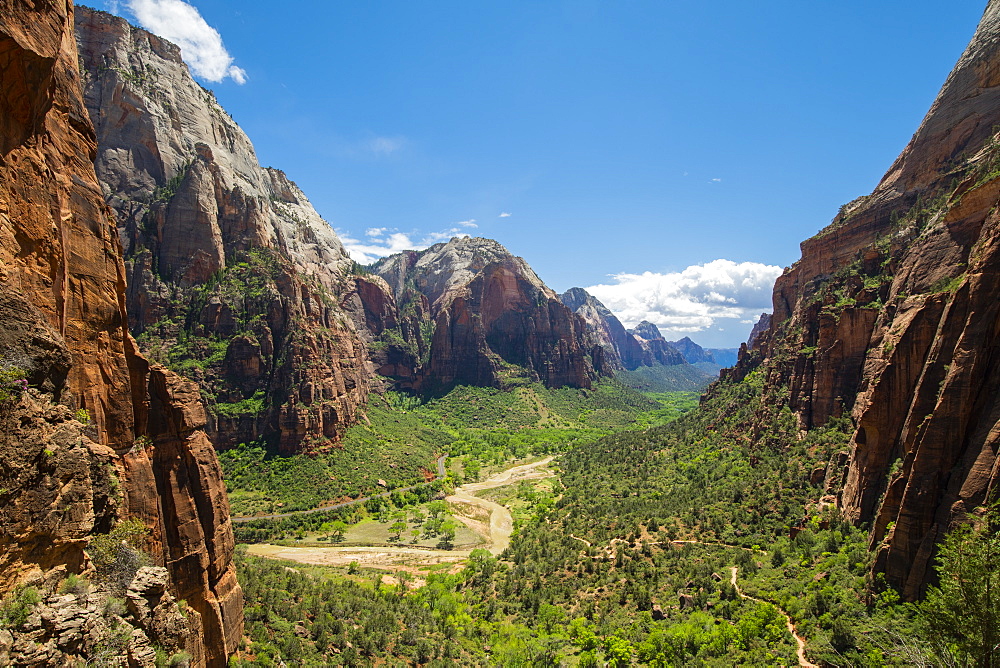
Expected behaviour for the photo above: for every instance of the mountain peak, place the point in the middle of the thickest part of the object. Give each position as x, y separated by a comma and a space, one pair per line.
647, 331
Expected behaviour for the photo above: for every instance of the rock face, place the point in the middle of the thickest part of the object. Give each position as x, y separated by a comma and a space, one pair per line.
620, 346
491, 319
692, 352
658, 349
64, 327
890, 318
69, 627
234, 279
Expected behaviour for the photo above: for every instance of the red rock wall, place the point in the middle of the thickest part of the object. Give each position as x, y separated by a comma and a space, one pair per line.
891, 317
503, 319
60, 260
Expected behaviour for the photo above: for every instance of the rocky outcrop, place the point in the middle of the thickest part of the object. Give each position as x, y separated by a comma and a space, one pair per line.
234, 279
658, 349
492, 319
890, 317
176, 488
620, 346
77, 623
69, 443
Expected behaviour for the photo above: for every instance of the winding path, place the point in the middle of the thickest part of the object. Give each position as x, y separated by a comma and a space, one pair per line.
497, 536
501, 521
342, 504
799, 640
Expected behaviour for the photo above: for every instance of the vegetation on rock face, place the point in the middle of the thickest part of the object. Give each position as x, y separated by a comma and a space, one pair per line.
12, 383
962, 613
116, 555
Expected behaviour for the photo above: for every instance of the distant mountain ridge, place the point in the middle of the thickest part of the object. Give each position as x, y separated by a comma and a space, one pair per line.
642, 357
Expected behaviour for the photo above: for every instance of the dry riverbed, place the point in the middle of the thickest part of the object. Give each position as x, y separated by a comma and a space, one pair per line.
490, 520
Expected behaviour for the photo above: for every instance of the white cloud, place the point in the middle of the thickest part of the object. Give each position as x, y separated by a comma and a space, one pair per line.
444, 235
716, 181
201, 45
504, 215
471, 222
386, 145
384, 241
692, 300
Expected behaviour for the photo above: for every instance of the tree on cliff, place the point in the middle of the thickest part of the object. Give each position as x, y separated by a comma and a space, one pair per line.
962, 613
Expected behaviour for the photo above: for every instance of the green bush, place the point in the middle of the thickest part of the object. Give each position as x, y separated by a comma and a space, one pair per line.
12, 383
116, 555
16, 608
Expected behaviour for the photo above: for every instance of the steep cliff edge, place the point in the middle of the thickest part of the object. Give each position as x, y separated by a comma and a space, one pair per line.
489, 318
622, 348
890, 317
234, 279
64, 328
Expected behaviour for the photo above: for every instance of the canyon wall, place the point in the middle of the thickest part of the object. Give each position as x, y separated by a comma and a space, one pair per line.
71, 462
234, 280
891, 318
489, 319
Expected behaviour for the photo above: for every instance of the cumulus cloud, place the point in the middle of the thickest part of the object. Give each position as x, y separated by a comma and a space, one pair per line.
471, 222
692, 300
384, 241
504, 215
201, 45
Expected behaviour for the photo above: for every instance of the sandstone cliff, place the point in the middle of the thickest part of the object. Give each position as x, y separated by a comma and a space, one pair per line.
234, 279
492, 319
658, 349
691, 351
622, 348
64, 328
890, 317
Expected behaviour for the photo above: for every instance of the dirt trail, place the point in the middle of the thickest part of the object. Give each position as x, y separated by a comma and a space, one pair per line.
501, 522
799, 640
410, 558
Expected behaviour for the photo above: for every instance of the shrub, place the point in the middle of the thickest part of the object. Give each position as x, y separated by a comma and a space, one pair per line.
74, 584
15, 609
12, 384
116, 555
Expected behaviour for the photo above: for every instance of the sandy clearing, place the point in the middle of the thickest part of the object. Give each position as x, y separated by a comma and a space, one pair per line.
497, 533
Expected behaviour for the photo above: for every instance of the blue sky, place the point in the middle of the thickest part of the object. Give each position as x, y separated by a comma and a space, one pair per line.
673, 152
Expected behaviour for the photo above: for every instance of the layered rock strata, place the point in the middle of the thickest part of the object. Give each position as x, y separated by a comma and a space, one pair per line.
62, 291
657, 349
492, 319
234, 279
890, 318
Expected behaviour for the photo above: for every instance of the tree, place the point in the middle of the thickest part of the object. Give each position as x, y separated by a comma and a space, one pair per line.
437, 508
397, 527
338, 528
447, 534
962, 613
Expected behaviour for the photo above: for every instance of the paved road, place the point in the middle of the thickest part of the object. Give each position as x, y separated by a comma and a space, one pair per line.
250, 518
